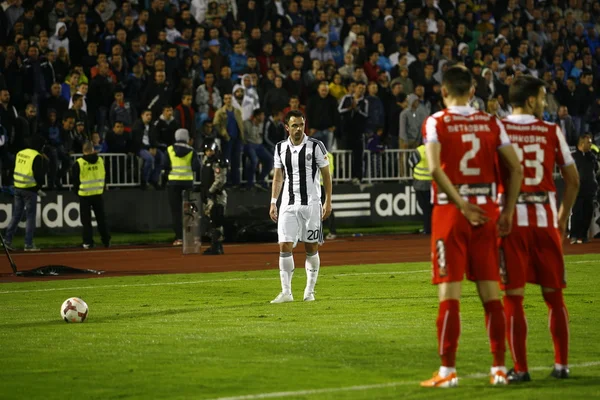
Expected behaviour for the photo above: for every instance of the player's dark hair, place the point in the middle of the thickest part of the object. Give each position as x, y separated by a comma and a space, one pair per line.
522, 88
292, 114
458, 81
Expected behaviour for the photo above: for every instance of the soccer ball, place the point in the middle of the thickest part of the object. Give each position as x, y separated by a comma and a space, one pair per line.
74, 310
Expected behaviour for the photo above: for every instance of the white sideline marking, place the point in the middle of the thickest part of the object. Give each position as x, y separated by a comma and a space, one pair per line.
194, 282
230, 280
369, 387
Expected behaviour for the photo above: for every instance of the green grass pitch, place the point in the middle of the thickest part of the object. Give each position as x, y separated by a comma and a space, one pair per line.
370, 335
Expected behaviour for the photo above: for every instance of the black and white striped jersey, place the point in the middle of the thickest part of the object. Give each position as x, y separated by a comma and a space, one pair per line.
301, 165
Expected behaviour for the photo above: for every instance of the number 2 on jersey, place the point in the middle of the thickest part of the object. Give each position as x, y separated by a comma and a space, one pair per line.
535, 164
469, 155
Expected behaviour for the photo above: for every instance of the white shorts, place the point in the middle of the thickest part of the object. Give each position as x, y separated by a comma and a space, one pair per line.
300, 223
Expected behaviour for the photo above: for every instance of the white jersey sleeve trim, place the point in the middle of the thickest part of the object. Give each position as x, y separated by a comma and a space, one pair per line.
563, 147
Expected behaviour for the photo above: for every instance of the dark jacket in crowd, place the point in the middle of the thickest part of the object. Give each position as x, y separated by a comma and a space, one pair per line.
137, 137
118, 143
165, 131
322, 112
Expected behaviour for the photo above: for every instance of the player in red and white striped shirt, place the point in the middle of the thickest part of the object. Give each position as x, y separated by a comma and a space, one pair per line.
532, 252
463, 146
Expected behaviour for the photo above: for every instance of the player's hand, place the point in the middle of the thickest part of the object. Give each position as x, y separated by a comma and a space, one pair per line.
273, 212
475, 214
326, 210
504, 223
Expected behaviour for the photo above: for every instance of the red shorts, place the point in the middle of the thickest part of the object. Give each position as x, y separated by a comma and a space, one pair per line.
457, 247
532, 255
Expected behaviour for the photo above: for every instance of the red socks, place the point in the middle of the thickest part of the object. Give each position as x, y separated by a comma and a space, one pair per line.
495, 325
516, 331
559, 325
448, 331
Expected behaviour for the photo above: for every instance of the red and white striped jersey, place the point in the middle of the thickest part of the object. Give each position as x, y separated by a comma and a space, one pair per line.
469, 139
540, 146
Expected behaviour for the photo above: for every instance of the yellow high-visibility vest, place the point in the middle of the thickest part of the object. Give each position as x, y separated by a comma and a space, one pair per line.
181, 167
23, 175
330, 158
421, 170
91, 177
595, 149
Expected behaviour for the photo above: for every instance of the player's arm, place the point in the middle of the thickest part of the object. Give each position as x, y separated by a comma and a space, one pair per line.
328, 191
473, 213
509, 158
275, 192
571, 178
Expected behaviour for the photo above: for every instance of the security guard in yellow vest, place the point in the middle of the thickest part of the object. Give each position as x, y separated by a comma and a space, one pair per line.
422, 184
89, 179
331, 220
181, 167
29, 176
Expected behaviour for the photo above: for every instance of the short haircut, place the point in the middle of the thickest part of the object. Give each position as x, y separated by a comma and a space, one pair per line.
522, 88
583, 138
167, 107
87, 147
292, 114
77, 97
458, 81
257, 112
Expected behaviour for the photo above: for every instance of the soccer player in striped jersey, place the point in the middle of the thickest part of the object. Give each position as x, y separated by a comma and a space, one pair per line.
463, 146
300, 217
533, 251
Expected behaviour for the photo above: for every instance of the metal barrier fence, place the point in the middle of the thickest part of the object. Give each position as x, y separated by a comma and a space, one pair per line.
124, 170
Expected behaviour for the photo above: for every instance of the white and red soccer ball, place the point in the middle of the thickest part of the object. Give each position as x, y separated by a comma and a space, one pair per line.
74, 310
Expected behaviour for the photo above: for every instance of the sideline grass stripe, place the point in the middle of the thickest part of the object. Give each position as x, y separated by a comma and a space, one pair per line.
198, 282
357, 388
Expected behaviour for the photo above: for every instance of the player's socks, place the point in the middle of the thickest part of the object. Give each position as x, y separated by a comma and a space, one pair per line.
286, 272
448, 331
559, 326
516, 331
312, 264
445, 371
495, 325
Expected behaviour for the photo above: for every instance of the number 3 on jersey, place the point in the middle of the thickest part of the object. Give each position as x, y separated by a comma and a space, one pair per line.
469, 155
536, 164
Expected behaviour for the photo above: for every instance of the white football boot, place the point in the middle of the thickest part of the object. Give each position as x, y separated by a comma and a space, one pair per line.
282, 298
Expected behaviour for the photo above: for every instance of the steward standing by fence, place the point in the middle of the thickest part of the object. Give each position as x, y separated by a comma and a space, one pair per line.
181, 165
29, 176
422, 184
89, 180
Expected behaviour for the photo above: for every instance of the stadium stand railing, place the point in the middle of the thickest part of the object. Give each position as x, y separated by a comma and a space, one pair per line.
124, 170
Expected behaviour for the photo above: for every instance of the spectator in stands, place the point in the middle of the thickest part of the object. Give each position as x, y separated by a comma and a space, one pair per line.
165, 127
376, 119
101, 96
55, 102
122, 110
322, 113
117, 140
275, 96
59, 39
144, 144
77, 112
78, 137
229, 123
354, 110
185, 115
99, 145
58, 149
256, 151
208, 98
274, 130
565, 122
411, 120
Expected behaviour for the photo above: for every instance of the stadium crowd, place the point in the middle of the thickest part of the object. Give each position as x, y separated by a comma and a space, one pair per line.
128, 74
